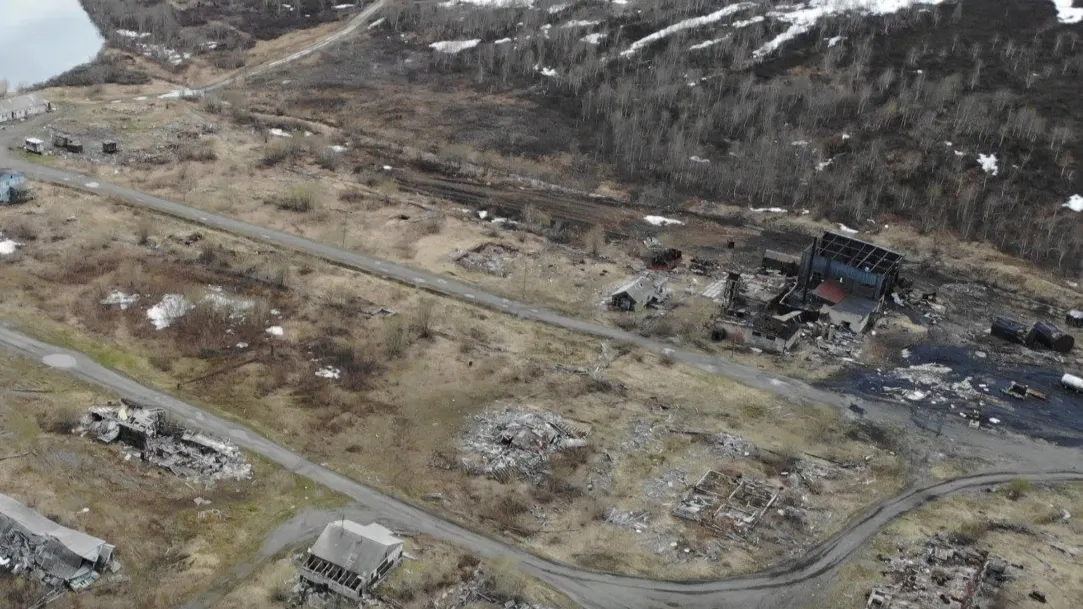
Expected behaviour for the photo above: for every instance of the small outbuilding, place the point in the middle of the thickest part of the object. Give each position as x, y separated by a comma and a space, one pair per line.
350, 558
638, 293
35, 145
13, 187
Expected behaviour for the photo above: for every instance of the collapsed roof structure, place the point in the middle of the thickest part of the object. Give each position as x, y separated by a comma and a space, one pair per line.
845, 279
57, 555
150, 435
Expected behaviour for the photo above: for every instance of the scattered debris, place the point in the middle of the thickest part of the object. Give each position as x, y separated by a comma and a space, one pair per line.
147, 433
726, 504
493, 258
1022, 392
503, 444
940, 573
58, 556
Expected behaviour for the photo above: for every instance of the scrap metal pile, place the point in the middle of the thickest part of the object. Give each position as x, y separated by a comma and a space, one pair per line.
940, 574
148, 434
504, 444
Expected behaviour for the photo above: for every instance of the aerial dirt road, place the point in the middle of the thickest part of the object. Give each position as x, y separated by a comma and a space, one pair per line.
773, 588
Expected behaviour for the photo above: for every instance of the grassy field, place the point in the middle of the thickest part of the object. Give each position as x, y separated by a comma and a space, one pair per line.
415, 379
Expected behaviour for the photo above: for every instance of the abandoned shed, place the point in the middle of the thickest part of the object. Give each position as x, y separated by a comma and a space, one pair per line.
23, 106
58, 555
12, 186
350, 558
638, 293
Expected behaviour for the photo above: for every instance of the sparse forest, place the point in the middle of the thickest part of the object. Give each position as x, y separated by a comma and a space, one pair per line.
860, 117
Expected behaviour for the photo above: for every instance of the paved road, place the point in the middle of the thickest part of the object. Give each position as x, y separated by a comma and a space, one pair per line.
772, 588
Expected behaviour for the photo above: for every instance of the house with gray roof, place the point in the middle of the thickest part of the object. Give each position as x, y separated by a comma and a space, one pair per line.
23, 106
350, 558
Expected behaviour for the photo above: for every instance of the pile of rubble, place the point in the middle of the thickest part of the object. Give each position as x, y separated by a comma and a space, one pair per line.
939, 574
504, 444
146, 433
493, 258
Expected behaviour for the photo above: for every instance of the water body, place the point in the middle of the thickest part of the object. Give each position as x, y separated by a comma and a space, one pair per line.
40, 39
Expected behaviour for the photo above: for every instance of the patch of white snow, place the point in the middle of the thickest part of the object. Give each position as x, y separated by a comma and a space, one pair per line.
696, 159
847, 229
661, 221
1067, 12
767, 210
454, 46
580, 23
988, 163
329, 372
170, 309
687, 24
834, 40
594, 38
279, 133
275, 331
1075, 203
8, 247
116, 297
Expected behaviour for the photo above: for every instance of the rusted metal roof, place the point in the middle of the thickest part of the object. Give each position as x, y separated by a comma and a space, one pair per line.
831, 291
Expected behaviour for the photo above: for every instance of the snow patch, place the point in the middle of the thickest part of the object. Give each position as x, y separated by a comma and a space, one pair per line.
279, 133
8, 247
687, 24
803, 17
1066, 13
847, 229
988, 163
329, 372
767, 210
276, 331
580, 23
116, 297
549, 72
170, 309
706, 43
661, 221
92, 185
454, 46
377, 23
697, 159
1075, 203
594, 38
834, 40
503, 41
823, 164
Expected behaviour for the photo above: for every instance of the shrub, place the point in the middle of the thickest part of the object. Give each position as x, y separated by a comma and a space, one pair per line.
1018, 488
201, 151
281, 150
300, 198
329, 159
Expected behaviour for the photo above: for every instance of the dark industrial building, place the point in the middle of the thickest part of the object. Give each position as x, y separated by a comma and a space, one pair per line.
845, 279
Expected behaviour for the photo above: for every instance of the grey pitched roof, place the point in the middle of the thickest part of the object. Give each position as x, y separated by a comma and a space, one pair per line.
355, 547
640, 289
21, 102
85, 546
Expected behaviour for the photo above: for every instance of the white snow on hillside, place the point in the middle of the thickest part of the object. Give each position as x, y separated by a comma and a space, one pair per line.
594, 38
1075, 203
687, 24
804, 16
1066, 13
988, 163
454, 46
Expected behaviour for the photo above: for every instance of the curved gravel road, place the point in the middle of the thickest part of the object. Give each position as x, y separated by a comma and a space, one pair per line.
769, 588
